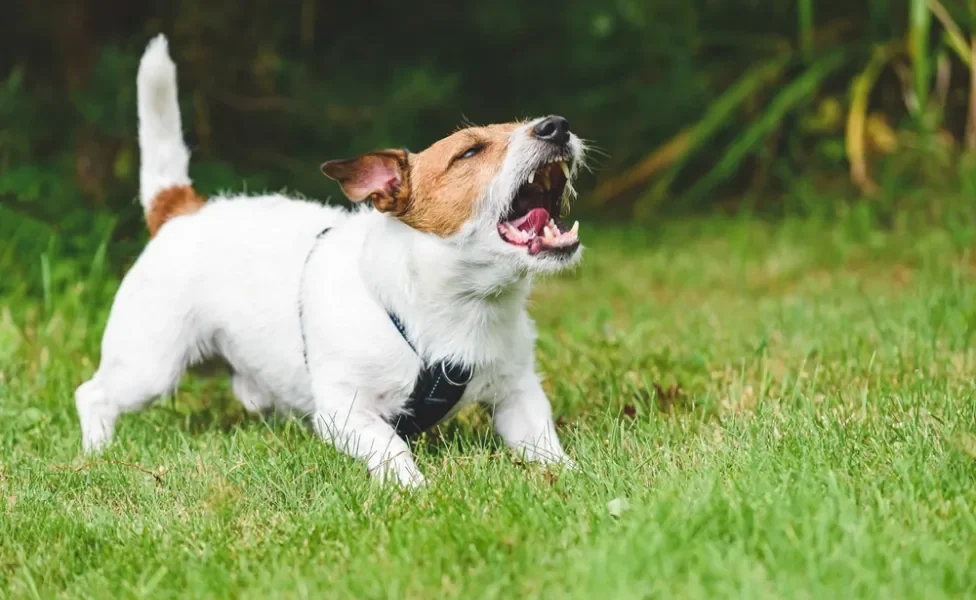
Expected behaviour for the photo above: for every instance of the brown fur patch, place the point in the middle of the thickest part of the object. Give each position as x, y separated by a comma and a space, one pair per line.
445, 187
433, 191
171, 202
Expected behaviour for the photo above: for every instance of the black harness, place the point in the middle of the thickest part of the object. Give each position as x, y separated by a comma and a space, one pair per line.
438, 388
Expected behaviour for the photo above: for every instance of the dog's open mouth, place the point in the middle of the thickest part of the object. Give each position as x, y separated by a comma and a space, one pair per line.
533, 219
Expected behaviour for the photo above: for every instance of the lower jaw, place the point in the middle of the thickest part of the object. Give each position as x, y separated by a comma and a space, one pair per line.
538, 246
549, 237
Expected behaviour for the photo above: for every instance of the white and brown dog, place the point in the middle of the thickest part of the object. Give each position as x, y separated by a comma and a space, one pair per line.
377, 322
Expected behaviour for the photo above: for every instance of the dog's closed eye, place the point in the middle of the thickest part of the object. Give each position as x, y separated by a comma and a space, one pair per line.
469, 153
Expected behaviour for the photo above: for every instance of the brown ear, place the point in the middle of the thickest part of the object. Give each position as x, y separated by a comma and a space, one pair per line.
382, 177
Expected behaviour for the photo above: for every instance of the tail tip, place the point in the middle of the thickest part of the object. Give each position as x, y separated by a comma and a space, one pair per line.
158, 45
156, 58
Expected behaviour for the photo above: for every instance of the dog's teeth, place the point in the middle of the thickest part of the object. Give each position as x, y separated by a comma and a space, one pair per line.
575, 229
562, 165
531, 176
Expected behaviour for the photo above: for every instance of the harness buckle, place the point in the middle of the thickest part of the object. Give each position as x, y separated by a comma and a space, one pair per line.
456, 383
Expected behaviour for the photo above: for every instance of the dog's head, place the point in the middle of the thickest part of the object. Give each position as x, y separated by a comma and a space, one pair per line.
498, 192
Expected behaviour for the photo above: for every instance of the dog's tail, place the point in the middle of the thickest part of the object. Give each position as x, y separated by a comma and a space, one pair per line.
165, 190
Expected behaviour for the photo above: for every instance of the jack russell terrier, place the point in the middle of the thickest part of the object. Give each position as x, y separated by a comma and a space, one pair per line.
377, 322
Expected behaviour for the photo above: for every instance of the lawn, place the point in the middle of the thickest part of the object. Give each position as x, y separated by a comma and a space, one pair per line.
759, 410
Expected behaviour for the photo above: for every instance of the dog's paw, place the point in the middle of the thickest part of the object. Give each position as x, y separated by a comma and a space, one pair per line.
400, 471
93, 445
96, 417
545, 454
570, 465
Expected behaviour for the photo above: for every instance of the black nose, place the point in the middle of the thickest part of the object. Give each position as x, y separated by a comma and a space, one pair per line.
553, 129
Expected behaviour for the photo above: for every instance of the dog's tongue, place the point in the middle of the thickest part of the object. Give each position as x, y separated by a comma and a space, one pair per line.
534, 220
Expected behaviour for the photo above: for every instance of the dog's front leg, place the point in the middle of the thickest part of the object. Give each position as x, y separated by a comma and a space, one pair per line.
523, 419
364, 435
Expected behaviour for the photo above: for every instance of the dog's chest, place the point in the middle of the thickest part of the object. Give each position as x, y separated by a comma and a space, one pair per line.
442, 378
417, 402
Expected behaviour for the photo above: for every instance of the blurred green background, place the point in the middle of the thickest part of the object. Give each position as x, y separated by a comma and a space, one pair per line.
771, 106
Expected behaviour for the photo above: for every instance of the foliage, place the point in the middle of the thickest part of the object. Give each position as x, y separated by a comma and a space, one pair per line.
692, 105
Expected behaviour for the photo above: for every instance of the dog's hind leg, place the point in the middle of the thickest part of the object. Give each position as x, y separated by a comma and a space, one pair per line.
149, 340
115, 389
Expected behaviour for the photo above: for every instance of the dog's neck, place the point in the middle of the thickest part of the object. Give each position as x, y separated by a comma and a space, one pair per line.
454, 305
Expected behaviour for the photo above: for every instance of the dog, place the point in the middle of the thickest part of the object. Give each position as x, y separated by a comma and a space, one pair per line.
375, 322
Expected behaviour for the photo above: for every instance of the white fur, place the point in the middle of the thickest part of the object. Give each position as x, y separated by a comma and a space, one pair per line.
227, 281
163, 156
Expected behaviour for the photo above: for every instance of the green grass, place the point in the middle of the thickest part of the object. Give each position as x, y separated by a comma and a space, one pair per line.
822, 444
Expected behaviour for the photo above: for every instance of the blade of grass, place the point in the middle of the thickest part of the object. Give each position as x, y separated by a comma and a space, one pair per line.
856, 117
954, 36
971, 119
805, 17
46, 282
943, 83
918, 35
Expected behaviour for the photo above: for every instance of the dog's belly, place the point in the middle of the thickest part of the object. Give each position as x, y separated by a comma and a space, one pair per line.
272, 366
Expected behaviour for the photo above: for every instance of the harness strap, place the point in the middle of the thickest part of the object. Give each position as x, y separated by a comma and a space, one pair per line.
437, 390
301, 294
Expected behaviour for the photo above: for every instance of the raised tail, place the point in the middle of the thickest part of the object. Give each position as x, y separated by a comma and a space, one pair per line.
165, 189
